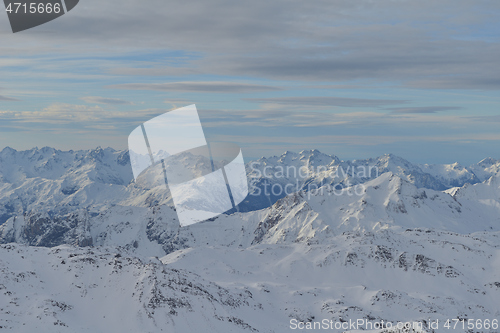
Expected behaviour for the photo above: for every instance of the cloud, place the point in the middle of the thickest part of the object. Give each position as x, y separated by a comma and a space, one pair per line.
285, 119
104, 100
486, 119
64, 115
321, 101
424, 109
201, 87
426, 44
8, 99
473, 81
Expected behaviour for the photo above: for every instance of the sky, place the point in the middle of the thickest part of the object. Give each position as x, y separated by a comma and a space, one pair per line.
357, 79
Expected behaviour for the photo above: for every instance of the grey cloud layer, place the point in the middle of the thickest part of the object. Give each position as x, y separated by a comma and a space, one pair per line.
204, 87
424, 44
321, 101
104, 100
8, 99
425, 109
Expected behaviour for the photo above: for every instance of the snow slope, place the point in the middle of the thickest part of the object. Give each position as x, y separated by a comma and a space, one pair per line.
67, 289
416, 275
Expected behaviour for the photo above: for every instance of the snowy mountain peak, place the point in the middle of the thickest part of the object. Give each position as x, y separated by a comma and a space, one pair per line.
287, 157
486, 168
7, 151
316, 158
390, 161
488, 161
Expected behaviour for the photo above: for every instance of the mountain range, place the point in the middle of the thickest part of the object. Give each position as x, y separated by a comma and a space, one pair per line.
57, 181
403, 242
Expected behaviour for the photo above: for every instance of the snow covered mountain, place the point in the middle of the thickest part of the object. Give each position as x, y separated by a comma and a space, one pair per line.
83, 241
50, 198
311, 169
387, 202
59, 182
55, 181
